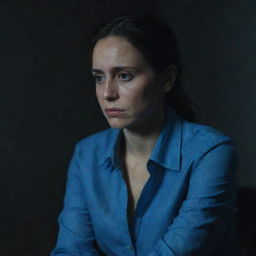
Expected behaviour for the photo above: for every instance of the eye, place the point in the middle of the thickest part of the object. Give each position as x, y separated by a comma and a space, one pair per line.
125, 76
98, 78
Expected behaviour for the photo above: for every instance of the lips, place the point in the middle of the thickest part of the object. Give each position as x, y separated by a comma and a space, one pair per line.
114, 112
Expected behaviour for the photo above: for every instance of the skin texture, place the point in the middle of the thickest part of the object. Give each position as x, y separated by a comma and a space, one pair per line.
124, 80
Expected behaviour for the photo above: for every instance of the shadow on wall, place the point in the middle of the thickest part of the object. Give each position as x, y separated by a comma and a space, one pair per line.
246, 221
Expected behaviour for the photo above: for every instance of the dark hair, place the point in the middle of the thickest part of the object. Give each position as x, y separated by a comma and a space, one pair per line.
157, 42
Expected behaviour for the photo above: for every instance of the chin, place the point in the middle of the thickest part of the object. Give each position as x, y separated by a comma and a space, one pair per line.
118, 123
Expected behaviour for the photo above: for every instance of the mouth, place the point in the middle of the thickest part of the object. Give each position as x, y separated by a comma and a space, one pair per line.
113, 112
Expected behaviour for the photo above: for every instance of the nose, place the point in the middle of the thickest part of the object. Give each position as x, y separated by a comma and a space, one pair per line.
111, 91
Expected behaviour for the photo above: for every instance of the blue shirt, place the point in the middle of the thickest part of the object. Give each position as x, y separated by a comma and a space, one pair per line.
186, 207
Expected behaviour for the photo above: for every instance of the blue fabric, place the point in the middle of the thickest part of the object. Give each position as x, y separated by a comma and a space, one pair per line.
186, 207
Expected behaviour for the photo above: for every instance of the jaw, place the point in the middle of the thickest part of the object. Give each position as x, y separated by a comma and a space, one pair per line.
148, 122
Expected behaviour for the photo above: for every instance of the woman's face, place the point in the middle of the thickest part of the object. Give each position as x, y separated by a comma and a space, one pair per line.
129, 92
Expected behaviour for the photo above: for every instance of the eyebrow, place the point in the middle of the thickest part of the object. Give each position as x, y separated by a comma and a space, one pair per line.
118, 68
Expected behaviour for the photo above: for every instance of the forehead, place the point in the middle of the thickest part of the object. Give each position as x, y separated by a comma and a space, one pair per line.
116, 51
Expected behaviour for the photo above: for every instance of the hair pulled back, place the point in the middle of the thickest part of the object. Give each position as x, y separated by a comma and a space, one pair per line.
157, 43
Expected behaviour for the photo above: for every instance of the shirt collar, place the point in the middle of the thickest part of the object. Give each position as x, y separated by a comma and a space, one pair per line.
167, 150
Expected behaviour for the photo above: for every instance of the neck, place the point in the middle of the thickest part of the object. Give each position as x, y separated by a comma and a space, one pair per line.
140, 140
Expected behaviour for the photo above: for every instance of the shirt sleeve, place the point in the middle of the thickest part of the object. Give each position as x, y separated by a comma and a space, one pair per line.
208, 209
76, 236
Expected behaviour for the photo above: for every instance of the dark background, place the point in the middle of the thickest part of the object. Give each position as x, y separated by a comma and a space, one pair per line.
47, 100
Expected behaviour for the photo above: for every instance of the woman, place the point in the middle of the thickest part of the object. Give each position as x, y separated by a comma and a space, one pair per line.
155, 183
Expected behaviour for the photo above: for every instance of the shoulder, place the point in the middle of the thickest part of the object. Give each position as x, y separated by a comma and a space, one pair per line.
102, 139
96, 146
194, 132
100, 142
198, 140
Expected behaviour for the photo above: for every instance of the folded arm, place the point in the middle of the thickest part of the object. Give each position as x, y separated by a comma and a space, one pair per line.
76, 236
207, 211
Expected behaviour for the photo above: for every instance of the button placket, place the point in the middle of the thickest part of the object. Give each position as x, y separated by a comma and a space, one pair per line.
130, 247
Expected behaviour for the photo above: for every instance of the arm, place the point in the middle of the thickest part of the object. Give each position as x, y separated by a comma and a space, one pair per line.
207, 210
76, 235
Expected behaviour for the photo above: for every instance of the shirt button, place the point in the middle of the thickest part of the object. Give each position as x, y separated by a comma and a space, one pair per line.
130, 247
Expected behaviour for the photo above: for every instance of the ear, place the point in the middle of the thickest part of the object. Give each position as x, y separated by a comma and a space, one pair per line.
171, 74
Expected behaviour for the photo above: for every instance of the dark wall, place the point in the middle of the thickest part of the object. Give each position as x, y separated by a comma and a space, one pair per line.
47, 100
218, 44
47, 104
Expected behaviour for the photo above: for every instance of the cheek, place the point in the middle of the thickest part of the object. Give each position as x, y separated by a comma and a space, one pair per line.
99, 94
137, 99
146, 94
99, 98
134, 96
